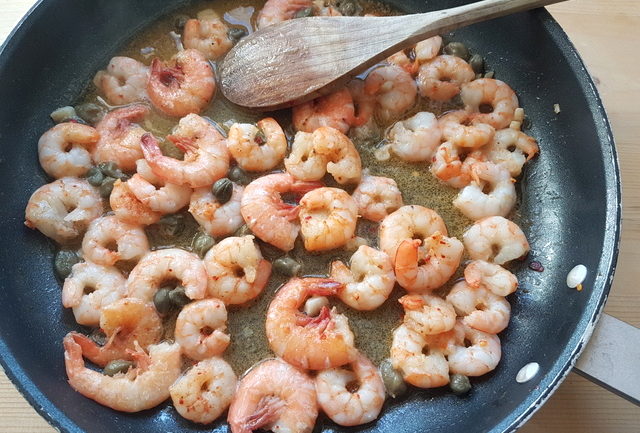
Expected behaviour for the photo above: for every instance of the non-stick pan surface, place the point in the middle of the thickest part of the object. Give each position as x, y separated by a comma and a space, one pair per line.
571, 198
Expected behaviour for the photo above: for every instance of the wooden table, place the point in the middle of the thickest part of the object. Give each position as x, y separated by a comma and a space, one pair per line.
606, 33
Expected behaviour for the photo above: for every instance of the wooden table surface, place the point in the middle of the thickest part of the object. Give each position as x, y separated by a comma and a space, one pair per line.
607, 34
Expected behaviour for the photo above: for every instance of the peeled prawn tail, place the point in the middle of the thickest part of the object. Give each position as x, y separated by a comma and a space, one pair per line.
412, 302
406, 262
72, 356
183, 143
267, 412
322, 286
150, 147
90, 349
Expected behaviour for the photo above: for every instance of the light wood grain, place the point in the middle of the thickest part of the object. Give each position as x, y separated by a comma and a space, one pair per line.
606, 33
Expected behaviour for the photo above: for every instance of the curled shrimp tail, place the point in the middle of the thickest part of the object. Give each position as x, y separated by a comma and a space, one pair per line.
185, 144
72, 355
323, 286
150, 147
322, 319
90, 349
412, 302
267, 412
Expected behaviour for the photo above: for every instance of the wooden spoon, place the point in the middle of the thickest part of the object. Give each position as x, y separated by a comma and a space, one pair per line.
301, 59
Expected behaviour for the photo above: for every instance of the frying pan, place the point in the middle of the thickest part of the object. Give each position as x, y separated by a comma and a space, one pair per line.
570, 198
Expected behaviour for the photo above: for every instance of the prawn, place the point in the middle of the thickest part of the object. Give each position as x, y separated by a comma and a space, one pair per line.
491, 192
481, 274
451, 164
395, 91
491, 101
130, 241
440, 78
427, 314
335, 110
64, 150
123, 81
257, 148
200, 329
495, 239
217, 219
155, 193
376, 197
207, 34
480, 357
415, 139
128, 208
276, 11
480, 308
457, 128
511, 149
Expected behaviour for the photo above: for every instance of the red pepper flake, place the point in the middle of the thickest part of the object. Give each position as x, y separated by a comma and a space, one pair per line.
535, 265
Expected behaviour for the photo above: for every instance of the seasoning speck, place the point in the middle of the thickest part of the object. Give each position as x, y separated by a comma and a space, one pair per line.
527, 372
576, 276
536, 266
556, 108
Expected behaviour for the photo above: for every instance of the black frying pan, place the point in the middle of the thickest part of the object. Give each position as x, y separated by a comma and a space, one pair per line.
571, 194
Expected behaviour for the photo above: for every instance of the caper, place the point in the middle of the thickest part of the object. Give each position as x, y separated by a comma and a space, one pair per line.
98, 337
349, 7
180, 21
172, 225
459, 384
392, 379
457, 49
178, 297
202, 243
235, 34
303, 13
64, 261
91, 113
116, 366
490, 74
63, 114
162, 301
477, 63
222, 190
111, 169
287, 266
238, 175
95, 176
106, 187
242, 231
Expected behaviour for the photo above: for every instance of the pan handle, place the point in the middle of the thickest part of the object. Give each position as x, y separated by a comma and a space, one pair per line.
612, 358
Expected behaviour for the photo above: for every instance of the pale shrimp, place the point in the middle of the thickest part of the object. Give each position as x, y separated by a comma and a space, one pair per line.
351, 396
423, 51
368, 280
395, 91
205, 391
457, 128
328, 218
64, 149
335, 110
511, 149
257, 148
415, 139
274, 396
141, 388
155, 193
215, 218
406, 59
492, 102
377, 197
206, 157
207, 34
408, 349
276, 11
491, 192
451, 164
481, 274
479, 308
314, 343
184, 85
482, 355
440, 256
440, 78
128, 208
363, 103
89, 288
127, 323
200, 329
266, 215
120, 137
495, 239
109, 240
408, 222
428, 49
161, 266
236, 270
63, 209
304, 162
123, 81
427, 314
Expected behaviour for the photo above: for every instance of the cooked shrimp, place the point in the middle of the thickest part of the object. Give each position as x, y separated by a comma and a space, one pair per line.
368, 280
207, 34
328, 218
205, 391
314, 343
62, 150
257, 148
377, 197
155, 193
490, 193
427, 314
495, 239
440, 79
406, 59
141, 388
452, 165
130, 241
266, 215
206, 157
481, 274
276, 11
335, 110
127, 323
184, 85
128, 208
410, 60
363, 103
63, 209
89, 288
236, 270
416, 138
304, 162
480, 308
457, 129
274, 396
344, 404
395, 91
406, 223
123, 81
480, 358
217, 219
120, 137
494, 95
428, 49
200, 329
511, 148
160, 266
